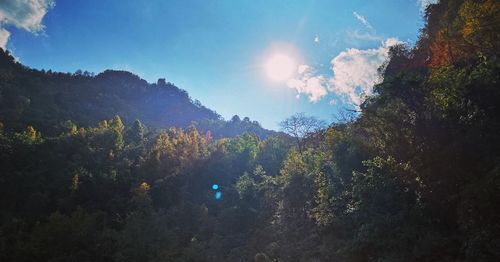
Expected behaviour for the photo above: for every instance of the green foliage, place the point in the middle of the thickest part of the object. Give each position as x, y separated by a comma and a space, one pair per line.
77, 237
29, 136
136, 133
47, 100
273, 152
415, 177
246, 187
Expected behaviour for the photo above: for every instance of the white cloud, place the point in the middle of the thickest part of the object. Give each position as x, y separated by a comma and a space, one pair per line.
357, 35
363, 20
23, 14
355, 71
316, 39
302, 69
315, 86
392, 41
424, 3
4, 37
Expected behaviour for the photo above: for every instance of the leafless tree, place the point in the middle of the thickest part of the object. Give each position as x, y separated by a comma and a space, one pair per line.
300, 127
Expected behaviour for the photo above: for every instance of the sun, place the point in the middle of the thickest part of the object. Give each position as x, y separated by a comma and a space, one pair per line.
280, 67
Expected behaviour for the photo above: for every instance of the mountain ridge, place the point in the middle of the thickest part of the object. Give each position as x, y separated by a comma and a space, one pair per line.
47, 99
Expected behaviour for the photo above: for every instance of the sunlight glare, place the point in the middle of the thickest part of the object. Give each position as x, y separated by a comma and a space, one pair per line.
280, 67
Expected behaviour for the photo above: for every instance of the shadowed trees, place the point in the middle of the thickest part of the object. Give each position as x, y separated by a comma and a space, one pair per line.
413, 177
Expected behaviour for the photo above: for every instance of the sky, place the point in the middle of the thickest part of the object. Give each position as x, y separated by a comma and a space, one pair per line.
265, 59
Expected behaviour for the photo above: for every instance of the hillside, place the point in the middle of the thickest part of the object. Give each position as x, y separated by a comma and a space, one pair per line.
47, 100
414, 177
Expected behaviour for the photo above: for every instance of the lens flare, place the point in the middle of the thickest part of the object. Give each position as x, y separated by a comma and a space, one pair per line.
218, 195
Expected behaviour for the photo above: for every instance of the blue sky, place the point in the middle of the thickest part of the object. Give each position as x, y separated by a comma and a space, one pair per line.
216, 50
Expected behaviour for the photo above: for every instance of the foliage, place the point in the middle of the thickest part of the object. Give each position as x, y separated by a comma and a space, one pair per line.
47, 100
415, 177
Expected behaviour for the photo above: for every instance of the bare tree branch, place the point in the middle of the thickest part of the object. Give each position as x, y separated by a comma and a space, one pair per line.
300, 127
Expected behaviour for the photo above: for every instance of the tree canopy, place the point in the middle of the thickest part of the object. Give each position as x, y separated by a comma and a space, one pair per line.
414, 177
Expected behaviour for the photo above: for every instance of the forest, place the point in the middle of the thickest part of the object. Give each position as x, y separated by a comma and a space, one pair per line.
52, 100
88, 173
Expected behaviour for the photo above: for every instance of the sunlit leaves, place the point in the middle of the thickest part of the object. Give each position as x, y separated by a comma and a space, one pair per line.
30, 136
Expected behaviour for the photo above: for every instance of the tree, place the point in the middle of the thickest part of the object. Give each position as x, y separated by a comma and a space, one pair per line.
301, 127
235, 119
30, 136
136, 132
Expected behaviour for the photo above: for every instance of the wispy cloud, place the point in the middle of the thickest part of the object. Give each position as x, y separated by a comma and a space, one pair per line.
23, 14
355, 71
363, 20
358, 35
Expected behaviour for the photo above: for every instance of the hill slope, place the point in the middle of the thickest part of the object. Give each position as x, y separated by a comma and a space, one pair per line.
47, 100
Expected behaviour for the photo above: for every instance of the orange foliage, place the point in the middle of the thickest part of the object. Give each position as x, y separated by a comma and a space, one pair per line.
466, 32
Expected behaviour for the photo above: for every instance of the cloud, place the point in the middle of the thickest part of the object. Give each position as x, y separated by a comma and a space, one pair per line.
357, 35
363, 20
307, 82
356, 71
424, 3
302, 69
4, 37
23, 14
